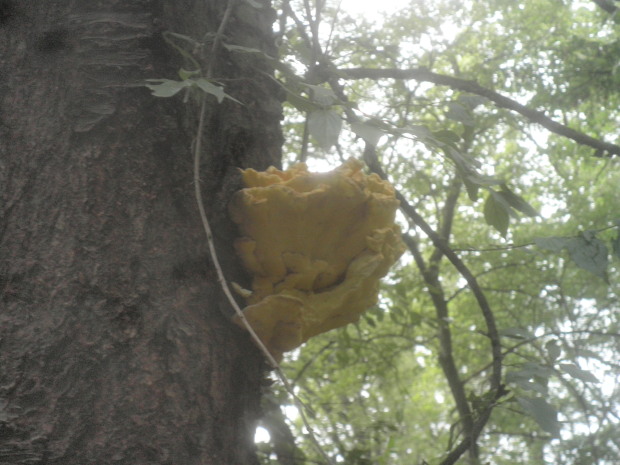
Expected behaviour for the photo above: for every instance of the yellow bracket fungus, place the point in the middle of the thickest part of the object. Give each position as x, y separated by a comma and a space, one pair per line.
316, 246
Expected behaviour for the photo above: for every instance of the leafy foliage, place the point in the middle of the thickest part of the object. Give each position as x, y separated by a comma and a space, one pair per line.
532, 215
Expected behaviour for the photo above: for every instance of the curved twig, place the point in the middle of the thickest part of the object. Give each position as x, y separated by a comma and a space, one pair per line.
430, 274
496, 387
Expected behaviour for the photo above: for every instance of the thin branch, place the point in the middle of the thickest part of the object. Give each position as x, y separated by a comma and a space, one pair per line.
437, 294
535, 116
198, 194
309, 362
494, 249
496, 386
286, 7
305, 139
607, 6
441, 244
446, 356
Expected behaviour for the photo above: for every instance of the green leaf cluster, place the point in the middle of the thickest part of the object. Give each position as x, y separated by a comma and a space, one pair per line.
534, 216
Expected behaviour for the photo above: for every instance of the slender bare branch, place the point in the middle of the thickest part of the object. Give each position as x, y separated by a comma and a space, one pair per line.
535, 116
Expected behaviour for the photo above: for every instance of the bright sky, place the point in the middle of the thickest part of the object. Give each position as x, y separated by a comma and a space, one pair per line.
370, 7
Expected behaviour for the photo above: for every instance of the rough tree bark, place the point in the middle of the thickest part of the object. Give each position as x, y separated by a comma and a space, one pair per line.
115, 347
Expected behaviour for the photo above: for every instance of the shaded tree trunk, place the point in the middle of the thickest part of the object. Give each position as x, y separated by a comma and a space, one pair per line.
115, 341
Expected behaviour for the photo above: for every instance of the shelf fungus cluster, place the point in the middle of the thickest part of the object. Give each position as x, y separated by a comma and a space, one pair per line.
316, 246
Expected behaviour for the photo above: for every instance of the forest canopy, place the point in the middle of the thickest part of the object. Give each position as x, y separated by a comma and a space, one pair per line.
496, 338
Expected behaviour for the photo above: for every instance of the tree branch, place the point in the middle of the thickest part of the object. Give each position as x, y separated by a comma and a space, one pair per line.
437, 294
496, 390
535, 116
607, 6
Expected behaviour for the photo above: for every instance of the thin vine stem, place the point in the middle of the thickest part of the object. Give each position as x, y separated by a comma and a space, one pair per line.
213, 253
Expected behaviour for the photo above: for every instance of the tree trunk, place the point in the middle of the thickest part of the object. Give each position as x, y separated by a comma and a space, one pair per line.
116, 345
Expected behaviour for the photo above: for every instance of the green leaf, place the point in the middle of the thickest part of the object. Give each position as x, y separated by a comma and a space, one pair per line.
578, 373
166, 87
523, 379
553, 350
543, 413
583, 352
370, 320
301, 103
496, 213
482, 179
471, 188
464, 163
473, 180
537, 370
384, 458
471, 101
210, 88
585, 250
447, 137
369, 133
458, 112
421, 132
528, 385
322, 96
517, 202
589, 253
186, 74
325, 126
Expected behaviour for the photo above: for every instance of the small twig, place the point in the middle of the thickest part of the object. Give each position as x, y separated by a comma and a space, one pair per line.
286, 7
198, 193
332, 27
494, 249
305, 138
314, 22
